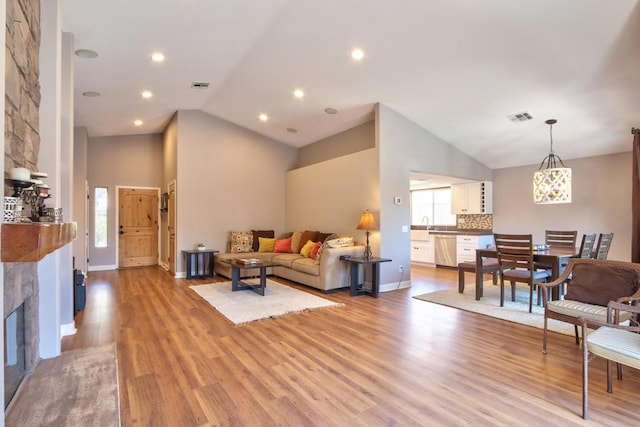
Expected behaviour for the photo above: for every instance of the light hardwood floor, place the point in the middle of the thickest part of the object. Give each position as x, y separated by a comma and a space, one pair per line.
393, 360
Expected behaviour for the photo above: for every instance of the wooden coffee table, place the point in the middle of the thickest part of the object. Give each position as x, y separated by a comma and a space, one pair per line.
239, 285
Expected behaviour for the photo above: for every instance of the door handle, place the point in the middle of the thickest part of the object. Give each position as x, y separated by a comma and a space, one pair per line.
121, 232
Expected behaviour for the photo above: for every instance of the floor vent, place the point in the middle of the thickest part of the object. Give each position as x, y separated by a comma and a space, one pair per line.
520, 117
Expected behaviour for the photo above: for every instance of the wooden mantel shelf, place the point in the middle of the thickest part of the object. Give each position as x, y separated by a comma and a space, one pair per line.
30, 242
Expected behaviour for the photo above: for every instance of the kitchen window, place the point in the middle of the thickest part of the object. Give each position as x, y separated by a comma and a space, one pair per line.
432, 207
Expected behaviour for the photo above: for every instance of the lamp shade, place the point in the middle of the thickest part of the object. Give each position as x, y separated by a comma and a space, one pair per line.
552, 186
367, 222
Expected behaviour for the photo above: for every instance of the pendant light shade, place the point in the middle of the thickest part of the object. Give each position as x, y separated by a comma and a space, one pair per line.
553, 183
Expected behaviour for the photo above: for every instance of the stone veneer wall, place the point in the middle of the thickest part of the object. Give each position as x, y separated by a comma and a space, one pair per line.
21, 148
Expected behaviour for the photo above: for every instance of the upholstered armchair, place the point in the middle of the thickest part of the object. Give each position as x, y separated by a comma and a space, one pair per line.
614, 342
593, 284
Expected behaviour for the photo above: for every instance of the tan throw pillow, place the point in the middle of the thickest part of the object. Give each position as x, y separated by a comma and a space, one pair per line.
241, 241
306, 236
295, 242
599, 284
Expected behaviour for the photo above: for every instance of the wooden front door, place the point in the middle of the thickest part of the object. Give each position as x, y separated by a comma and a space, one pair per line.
138, 228
172, 228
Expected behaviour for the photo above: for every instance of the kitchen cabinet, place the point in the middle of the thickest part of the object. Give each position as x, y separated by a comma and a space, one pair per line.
422, 246
472, 198
466, 246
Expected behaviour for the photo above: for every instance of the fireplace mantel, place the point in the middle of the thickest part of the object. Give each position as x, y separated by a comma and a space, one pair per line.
30, 242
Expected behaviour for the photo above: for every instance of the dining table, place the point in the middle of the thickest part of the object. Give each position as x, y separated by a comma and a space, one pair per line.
554, 256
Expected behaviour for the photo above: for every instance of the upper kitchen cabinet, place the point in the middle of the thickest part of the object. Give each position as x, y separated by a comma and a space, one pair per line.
471, 198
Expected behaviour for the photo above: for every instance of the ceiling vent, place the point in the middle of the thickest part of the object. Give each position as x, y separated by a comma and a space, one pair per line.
520, 117
199, 85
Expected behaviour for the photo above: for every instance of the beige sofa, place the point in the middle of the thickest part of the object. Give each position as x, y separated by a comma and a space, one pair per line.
326, 274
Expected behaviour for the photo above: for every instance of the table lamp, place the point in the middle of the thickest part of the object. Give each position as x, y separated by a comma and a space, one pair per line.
367, 222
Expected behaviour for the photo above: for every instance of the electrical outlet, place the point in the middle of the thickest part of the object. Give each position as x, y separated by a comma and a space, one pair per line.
400, 268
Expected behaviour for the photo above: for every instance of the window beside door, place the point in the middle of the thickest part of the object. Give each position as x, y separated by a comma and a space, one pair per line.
100, 212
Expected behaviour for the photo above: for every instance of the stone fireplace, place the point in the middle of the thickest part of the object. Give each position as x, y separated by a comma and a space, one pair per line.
21, 149
20, 299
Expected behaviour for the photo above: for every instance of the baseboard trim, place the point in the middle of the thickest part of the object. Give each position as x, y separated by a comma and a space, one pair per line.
395, 286
102, 267
67, 329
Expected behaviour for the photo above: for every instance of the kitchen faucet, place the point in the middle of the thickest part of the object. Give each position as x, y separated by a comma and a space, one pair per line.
427, 221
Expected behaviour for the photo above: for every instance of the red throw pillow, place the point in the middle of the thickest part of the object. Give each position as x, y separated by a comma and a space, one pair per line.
283, 246
315, 249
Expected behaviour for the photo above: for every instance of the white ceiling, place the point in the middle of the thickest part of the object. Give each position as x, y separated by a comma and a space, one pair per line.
457, 68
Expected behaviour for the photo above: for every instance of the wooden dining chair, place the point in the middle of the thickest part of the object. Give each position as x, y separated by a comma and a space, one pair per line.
604, 243
586, 246
560, 239
515, 258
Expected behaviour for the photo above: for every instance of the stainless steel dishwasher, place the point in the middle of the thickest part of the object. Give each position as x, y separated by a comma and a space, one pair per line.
445, 249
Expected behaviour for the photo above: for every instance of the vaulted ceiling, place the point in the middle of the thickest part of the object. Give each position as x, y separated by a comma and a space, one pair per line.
457, 68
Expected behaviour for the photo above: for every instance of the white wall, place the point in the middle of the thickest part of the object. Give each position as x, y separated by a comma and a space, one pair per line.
601, 202
80, 141
3, 18
330, 196
128, 160
49, 161
405, 147
228, 179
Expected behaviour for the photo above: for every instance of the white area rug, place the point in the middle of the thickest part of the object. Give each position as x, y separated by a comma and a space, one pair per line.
247, 306
489, 305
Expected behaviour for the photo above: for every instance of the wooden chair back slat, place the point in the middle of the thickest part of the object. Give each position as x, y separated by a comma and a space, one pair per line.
561, 238
604, 244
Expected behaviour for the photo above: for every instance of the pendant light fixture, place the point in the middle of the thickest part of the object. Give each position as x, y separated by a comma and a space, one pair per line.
552, 184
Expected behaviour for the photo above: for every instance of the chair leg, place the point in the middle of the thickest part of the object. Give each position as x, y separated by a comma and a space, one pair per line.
530, 298
501, 291
513, 291
585, 382
609, 382
577, 336
619, 366
460, 280
544, 335
495, 277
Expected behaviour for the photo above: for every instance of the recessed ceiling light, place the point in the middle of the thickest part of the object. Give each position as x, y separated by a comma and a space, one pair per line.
292, 130
263, 117
157, 57
330, 110
86, 53
147, 94
357, 54
137, 122
91, 94
298, 93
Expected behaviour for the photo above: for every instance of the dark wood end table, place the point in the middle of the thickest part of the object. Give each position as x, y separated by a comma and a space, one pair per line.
193, 257
357, 288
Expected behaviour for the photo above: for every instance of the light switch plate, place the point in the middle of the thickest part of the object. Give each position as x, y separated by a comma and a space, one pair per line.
397, 200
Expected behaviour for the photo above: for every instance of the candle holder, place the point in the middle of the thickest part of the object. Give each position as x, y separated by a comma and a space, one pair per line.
18, 186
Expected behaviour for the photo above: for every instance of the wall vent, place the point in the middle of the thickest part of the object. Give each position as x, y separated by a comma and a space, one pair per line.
199, 85
520, 117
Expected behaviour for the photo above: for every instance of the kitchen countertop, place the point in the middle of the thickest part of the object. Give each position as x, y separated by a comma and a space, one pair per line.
452, 230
